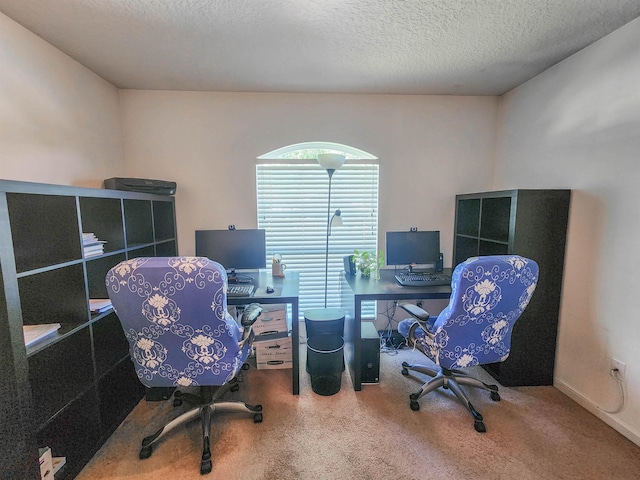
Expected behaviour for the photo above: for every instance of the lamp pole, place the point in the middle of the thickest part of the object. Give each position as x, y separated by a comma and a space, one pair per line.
330, 162
326, 254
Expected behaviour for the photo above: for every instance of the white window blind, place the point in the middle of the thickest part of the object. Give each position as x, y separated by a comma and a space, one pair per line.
292, 208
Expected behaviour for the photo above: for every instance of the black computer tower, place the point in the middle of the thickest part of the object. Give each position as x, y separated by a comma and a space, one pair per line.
370, 354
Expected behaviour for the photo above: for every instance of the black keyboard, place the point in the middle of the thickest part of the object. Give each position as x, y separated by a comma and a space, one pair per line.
419, 279
240, 290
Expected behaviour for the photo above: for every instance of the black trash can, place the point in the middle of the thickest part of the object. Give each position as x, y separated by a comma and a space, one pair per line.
324, 320
321, 321
325, 354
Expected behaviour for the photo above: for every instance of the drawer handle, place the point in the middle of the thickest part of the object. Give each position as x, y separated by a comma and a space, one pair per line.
273, 346
275, 362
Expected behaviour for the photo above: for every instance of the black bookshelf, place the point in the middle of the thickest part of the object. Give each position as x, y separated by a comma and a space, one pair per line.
70, 391
531, 223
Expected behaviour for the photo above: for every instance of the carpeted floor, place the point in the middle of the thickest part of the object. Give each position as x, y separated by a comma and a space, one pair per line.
532, 433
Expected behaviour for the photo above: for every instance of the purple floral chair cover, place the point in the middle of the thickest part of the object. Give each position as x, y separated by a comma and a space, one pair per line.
488, 295
174, 314
173, 311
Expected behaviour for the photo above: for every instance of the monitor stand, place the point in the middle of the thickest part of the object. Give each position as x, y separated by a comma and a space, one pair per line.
430, 270
234, 277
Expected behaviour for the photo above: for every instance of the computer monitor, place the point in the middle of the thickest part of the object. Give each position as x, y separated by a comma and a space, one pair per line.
413, 248
233, 249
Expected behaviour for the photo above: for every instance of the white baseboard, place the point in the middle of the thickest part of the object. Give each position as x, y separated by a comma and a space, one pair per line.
610, 420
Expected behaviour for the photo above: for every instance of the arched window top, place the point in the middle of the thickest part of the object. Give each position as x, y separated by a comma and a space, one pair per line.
308, 150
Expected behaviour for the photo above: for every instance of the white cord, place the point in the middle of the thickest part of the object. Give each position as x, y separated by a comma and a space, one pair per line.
385, 336
615, 373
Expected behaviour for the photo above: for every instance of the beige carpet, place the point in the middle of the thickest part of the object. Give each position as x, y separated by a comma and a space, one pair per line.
533, 433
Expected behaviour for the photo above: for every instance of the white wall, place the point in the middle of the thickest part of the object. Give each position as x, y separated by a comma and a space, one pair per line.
577, 126
430, 148
59, 122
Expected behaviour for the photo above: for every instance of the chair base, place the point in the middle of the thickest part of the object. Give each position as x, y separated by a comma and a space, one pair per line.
451, 379
209, 403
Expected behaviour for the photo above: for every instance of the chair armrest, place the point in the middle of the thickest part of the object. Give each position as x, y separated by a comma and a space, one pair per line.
250, 315
415, 311
415, 326
422, 317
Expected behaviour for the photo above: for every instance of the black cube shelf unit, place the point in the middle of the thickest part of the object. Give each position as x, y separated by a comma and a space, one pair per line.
71, 390
531, 223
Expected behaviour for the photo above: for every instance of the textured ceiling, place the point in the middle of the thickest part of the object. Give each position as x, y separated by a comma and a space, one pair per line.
461, 47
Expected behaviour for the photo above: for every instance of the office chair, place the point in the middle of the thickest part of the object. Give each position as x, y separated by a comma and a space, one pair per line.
173, 311
488, 294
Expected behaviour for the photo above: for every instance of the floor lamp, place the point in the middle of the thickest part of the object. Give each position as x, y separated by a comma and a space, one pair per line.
330, 162
325, 326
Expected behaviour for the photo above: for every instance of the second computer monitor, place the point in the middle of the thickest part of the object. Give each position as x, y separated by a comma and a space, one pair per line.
413, 248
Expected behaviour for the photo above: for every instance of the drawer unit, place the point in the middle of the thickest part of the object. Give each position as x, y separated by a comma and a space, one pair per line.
273, 353
272, 320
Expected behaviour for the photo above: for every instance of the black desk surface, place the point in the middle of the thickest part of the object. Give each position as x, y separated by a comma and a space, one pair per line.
387, 288
286, 289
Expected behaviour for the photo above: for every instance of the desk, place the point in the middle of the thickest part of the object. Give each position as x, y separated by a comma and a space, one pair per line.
358, 289
286, 291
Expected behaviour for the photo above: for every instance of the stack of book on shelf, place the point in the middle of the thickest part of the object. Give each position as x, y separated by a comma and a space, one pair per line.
91, 246
99, 305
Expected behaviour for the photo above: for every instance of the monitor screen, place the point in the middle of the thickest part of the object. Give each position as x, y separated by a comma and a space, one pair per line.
233, 249
418, 248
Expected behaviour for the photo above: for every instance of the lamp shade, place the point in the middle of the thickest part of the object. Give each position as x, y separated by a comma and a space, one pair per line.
331, 161
336, 219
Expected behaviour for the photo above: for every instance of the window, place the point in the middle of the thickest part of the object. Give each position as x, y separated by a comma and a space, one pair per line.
292, 197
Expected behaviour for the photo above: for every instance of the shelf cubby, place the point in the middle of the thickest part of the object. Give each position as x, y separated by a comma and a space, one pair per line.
166, 249
110, 345
44, 229
53, 386
103, 217
138, 222
97, 269
55, 296
164, 221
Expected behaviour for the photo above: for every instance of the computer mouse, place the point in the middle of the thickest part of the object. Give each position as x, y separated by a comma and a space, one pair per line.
269, 289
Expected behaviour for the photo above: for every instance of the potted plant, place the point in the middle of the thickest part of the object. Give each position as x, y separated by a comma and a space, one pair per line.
368, 263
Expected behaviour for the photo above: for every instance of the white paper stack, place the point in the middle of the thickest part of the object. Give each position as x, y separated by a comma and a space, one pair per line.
35, 333
91, 245
99, 305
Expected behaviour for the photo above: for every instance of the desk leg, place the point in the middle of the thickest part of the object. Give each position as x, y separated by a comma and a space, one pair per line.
357, 333
295, 345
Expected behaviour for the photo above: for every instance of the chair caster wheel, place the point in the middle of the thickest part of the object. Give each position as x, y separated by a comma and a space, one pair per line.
245, 366
415, 406
235, 388
479, 426
495, 396
404, 371
145, 452
177, 398
257, 418
205, 467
